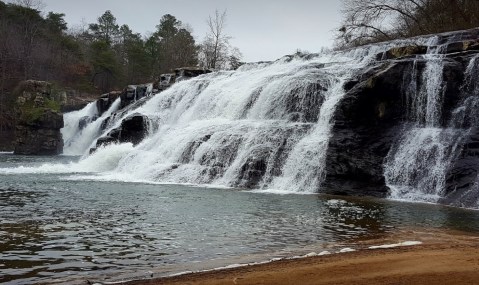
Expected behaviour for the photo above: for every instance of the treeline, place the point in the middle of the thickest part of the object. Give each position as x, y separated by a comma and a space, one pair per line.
368, 21
117, 56
100, 56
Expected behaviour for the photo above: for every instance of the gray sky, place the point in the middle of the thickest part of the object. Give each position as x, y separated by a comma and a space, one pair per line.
261, 29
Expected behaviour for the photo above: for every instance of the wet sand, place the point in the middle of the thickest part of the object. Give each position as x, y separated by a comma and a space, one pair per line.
442, 258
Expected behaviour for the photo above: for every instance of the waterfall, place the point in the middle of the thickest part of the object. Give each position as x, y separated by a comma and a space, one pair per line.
72, 125
415, 168
265, 125
78, 139
305, 166
269, 125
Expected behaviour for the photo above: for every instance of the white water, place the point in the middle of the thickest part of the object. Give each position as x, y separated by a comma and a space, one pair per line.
265, 125
71, 128
415, 169
103, 160
246, 115
268, 126
78, 142
305, 167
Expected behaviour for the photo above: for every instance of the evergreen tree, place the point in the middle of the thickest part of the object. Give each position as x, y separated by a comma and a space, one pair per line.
176, 46
106, 29
104, 58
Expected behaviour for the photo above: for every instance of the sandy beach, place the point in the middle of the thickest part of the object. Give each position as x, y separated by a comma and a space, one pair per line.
441, 258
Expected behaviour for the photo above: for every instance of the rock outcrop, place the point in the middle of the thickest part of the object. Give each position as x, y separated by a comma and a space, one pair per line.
106, 100
367, 122
74, 100
39, 120
374, 115
133, 129
133, 93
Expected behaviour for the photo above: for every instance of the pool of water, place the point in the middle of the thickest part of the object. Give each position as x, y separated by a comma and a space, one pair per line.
63, 228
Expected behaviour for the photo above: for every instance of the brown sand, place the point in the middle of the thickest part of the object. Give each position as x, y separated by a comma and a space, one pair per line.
443, 258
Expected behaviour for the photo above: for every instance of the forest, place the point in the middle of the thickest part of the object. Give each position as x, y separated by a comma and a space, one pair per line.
99, 57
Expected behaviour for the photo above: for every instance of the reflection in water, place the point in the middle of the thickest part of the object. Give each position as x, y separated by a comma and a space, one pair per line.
53, 227
360, 217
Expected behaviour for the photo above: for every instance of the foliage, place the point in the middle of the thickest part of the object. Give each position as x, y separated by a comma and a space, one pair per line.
106, 29
31, 113
56, 22
97, 57
172, 45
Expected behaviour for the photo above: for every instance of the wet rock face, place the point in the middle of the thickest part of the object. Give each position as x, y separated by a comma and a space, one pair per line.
254, 168
37, 131
367, 122
133, 93
133, 129
462, 183
105, 101
372, 117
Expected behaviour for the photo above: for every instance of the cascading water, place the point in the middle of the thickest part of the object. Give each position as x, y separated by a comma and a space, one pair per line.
269, 125
72, 125
77, 140
305, 167
416, 167
265, 125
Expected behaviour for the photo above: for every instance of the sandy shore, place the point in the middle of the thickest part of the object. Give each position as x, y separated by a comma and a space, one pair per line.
442, 258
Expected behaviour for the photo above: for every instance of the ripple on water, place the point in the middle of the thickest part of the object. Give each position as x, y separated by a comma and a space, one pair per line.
57, 228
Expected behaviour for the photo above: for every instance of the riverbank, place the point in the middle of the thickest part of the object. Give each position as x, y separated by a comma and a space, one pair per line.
441, 258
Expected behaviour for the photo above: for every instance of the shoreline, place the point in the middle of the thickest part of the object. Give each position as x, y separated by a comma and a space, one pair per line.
443, 257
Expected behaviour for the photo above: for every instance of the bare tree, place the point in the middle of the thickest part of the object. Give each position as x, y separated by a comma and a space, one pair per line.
215, 51
367, 21
375, 20
32, 4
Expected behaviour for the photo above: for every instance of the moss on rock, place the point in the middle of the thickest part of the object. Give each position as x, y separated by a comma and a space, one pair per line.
39, 119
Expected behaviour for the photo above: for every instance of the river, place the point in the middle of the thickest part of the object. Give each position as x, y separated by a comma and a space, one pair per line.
67, 228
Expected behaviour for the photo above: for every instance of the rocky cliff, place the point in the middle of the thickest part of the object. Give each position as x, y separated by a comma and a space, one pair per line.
376, 111
39, 120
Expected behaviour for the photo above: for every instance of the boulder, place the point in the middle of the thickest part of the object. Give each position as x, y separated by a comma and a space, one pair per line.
133, 129
133, 93
185, 73
84, 121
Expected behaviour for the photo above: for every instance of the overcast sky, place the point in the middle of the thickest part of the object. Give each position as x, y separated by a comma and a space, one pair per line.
261, 29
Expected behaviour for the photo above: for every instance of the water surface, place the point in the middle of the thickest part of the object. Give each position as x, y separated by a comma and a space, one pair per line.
58, 228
